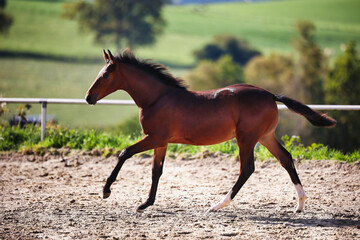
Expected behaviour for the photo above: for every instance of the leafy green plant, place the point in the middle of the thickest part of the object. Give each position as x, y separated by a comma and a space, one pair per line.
27, 140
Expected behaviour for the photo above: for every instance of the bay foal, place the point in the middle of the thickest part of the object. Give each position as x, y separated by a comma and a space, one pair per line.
169, 113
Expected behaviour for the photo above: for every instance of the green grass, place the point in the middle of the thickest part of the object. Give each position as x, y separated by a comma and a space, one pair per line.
269, 26
27, 140
52, 79
67, 62
39, 28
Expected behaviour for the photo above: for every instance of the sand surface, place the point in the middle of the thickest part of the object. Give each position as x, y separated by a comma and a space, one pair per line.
59, 197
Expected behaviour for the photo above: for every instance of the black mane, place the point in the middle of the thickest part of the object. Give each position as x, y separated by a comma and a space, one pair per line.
159, 71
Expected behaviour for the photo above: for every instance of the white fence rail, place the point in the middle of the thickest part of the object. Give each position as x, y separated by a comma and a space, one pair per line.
45, 101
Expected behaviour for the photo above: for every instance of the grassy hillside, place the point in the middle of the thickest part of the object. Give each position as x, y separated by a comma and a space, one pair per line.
37, 57
268, 26
54, 79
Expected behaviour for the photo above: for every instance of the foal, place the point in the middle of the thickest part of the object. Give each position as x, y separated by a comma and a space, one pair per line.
169, 113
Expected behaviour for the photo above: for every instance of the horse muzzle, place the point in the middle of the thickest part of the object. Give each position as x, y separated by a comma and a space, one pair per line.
91, 99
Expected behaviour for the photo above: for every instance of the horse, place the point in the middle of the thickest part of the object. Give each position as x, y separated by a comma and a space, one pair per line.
170, 113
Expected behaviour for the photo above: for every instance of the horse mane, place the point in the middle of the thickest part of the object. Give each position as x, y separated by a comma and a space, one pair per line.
159, 71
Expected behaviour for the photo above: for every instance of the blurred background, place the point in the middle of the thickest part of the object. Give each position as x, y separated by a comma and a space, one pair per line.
305, 49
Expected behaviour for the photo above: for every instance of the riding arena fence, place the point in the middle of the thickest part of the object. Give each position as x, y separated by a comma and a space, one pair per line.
45, 101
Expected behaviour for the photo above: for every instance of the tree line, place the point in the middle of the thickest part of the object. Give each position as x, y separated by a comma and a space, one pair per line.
307, 77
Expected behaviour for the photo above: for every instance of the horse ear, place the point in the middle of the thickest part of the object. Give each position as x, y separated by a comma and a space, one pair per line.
106, 57
111, 57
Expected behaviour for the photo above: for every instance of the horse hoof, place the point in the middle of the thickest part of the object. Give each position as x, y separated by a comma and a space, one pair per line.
143, 206
299, 210
140, 210
106, 194
212, 209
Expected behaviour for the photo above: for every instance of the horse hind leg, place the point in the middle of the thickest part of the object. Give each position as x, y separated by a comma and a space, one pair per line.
285, 159
247, 167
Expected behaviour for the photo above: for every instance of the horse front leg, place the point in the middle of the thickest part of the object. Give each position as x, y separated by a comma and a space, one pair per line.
147, 143
157, 169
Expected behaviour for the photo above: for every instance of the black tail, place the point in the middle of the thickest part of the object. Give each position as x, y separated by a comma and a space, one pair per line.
315, 118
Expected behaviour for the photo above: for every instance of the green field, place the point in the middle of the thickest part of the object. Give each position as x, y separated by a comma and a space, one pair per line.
45, 56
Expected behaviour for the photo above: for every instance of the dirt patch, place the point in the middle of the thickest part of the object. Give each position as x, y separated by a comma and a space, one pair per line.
60, 198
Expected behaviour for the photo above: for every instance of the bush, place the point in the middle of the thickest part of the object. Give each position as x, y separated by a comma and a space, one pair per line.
129, 127
222, 45
273, 73
211, 75
28, 140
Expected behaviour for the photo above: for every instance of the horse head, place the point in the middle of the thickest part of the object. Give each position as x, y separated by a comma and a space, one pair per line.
105, 82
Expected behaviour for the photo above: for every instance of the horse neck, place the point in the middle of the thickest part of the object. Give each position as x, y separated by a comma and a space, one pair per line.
142, 87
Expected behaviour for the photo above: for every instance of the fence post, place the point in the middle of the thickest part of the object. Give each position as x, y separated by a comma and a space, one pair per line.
43, 120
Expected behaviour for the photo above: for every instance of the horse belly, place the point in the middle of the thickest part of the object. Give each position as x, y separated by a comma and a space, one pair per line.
204, 132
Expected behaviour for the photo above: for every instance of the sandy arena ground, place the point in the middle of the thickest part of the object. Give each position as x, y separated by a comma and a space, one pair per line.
60, 198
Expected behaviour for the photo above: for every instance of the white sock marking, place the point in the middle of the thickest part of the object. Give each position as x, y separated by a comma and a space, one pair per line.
223, 203
302, 198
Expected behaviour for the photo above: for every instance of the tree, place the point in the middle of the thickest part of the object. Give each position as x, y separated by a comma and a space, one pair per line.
271, 72
222, 45
301, 78
275, 73
5, 19
343, 87
311, 68
126, 22
211, 75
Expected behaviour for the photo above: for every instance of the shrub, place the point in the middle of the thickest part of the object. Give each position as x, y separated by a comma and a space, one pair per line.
222, 45
211, 75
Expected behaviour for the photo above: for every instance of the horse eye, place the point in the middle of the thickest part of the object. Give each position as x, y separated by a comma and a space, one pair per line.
106, 75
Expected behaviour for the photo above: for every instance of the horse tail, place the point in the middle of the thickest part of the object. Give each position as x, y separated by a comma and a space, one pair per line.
316, 118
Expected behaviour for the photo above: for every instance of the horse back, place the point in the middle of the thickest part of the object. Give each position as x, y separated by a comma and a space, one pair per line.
209, 117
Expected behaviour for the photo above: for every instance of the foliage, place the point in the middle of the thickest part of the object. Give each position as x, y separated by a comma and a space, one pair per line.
12, 138
271, 72
311, 67
316, 151
301, 78
22, 111
313, 151
343, 84
211, 75
125, 22
129, 127
343, 87
28, 140
238, 49
17, 138
3, 109
267, 25
6, 20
